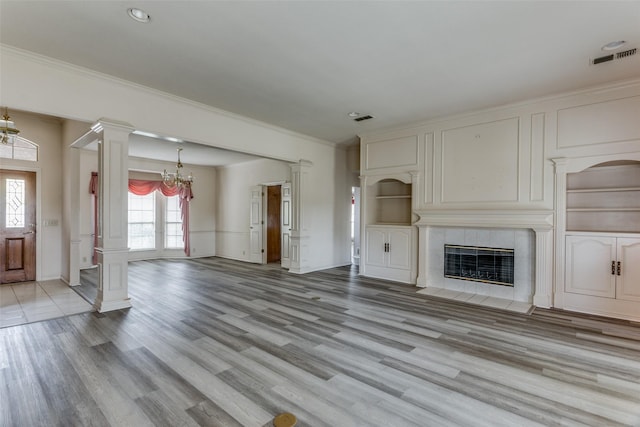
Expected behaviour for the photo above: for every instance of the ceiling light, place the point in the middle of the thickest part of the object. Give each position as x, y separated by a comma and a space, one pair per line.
353, 114
614, 45
8, 131
139, 15
177, 179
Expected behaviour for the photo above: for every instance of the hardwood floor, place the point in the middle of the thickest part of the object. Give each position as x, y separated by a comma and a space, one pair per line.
222, 343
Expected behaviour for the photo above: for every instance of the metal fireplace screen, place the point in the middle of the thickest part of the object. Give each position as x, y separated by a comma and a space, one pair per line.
486, 265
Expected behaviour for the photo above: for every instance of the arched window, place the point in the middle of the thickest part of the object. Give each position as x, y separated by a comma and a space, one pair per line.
20, 149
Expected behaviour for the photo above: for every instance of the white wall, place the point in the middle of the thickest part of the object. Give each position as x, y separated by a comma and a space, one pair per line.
232, 213
47, 133
201, 215
34, 83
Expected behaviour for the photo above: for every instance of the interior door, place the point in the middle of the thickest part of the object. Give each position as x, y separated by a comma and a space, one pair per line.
285, 225
17, 226
255, 225
273, 223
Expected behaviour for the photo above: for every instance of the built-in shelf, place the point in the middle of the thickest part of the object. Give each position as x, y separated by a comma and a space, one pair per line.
604, 199
389, 203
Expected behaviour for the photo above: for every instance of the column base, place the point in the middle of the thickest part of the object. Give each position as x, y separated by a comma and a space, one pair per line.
104, 306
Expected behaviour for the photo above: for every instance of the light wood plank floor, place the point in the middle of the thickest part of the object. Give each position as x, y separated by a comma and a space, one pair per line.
222, 343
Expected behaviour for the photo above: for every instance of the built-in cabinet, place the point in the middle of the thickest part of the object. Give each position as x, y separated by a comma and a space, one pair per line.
389, 238
389, 252
603, 266
602, 240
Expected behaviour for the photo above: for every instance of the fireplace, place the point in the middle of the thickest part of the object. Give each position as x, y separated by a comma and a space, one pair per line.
479, 264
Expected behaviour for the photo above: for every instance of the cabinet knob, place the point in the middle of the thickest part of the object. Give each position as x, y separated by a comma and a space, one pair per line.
613, 268
619, 267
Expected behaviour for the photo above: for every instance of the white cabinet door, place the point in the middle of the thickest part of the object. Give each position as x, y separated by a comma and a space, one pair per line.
628, 282
399, 249
589, 266
376, 241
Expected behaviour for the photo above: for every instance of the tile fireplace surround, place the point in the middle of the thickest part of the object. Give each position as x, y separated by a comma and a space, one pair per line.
529, 233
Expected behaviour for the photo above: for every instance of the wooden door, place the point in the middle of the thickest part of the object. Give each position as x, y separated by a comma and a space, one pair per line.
273, 223
255, 225
17, 226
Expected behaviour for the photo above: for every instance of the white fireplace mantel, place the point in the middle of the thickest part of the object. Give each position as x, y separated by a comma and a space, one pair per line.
494, 218
540, 221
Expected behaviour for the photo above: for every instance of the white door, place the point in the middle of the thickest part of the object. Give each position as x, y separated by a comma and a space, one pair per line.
255, 225
591, 266
628, 275
399, 248
285, 225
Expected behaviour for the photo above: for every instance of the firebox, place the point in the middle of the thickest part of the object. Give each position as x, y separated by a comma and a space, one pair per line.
479, 264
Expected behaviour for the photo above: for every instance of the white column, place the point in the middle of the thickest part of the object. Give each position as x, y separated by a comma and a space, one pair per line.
113, 174
74, 210
423, 258
560, 165
299, 232
543, 293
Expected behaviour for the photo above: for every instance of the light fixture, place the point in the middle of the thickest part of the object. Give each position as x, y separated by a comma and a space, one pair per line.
8, 130
173, 179
353, 114
613, 45
138, 15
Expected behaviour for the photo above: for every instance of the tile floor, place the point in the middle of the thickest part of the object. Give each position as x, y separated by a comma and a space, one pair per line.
34, 301
483, 300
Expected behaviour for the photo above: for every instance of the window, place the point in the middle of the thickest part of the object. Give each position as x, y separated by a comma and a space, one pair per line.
142, 221
15, 206
173, 224
21, 149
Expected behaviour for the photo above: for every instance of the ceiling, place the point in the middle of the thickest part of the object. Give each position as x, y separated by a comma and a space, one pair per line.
304, 65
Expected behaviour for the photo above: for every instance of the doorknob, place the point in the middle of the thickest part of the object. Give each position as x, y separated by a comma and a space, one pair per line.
29, 232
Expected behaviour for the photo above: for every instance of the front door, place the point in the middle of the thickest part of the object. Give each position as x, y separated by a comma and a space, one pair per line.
17, 226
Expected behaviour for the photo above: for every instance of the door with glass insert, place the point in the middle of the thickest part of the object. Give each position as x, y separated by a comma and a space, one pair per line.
17, 226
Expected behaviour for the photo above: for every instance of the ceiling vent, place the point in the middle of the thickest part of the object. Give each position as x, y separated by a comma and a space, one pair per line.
611, 57
363, 118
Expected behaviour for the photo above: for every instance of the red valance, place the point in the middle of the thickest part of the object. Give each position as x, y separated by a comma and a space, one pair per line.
143, 187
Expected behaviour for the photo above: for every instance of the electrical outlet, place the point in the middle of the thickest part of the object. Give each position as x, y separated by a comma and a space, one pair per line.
84, 259
242, 252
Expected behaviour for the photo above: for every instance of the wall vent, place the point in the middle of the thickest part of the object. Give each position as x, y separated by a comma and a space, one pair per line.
611, 57
362, 118
626, 53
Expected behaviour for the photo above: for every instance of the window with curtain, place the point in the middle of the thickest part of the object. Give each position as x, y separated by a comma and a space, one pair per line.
142, 221
173, 224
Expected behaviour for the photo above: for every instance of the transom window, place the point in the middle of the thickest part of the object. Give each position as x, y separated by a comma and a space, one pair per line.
21, 149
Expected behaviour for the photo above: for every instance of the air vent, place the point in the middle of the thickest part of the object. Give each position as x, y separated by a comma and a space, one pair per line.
626, 53
619, 55
363, 118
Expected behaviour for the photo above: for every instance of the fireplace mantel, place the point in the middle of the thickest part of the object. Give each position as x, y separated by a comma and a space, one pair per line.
540, 221
494, 218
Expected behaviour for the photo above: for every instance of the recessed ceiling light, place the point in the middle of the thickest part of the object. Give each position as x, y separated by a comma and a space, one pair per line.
139, 15
614, 45
353, 114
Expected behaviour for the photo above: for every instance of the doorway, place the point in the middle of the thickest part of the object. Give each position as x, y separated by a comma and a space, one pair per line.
273, 223
17, 226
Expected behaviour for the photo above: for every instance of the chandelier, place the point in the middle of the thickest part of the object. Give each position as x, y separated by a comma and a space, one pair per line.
8, 131
173, 179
